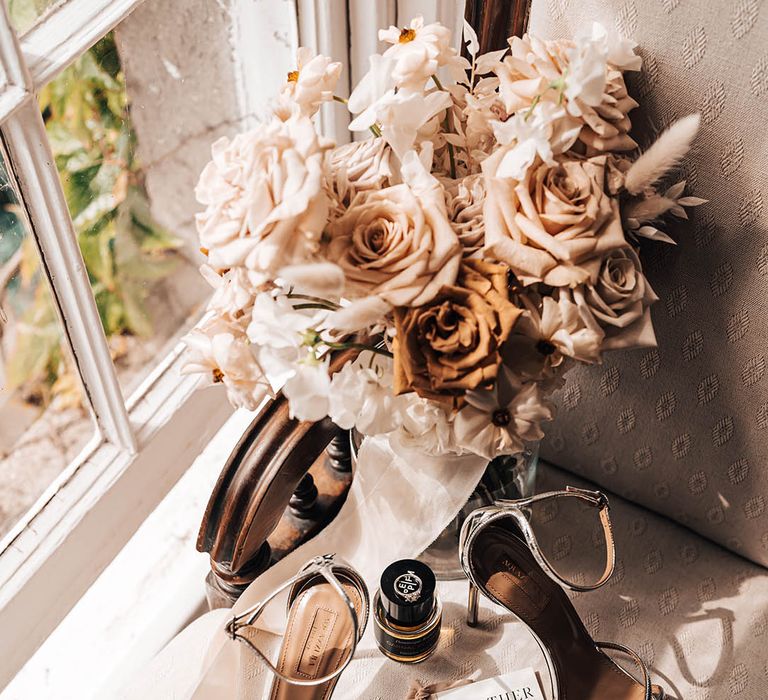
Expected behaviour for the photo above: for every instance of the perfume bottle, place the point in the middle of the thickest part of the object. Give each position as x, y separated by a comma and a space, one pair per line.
407, 612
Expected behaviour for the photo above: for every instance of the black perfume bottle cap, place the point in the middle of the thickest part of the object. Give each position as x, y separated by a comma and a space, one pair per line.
408, 592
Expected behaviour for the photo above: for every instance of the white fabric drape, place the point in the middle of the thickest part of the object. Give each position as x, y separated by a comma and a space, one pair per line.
398, 504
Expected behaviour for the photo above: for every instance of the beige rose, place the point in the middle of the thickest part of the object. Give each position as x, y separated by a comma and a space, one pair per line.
555, 225
360, 166
607, 126
617, 299
396, 243
533, 65
265, 203
453, 344
465, 199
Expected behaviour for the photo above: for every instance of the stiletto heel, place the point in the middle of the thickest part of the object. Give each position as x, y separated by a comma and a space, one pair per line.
501, 557
473, 603
328, 608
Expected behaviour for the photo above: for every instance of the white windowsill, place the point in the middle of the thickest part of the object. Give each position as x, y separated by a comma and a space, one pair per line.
150, 591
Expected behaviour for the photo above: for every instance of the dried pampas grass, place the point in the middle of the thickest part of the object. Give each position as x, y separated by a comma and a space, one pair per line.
663, 155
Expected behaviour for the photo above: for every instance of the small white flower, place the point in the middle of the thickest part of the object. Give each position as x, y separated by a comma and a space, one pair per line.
276, 323
587, 75
419, 51
558, 329
376, 83
219, 351
543, 132
401, 115
308, 391
619, 50
503, 420
425, 427
314, 82
277, 333
233, 291
361, 396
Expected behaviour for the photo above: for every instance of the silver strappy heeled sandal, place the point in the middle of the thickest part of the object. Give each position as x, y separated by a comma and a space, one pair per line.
501, 557
328, 608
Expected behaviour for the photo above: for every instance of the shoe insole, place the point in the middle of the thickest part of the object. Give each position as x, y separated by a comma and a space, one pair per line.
510, 572
318, 640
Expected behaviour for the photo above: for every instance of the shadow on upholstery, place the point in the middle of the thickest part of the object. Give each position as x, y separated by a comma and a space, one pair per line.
695, 612
683, 430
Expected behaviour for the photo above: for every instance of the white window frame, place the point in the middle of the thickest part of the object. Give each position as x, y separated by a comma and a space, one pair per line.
143, 445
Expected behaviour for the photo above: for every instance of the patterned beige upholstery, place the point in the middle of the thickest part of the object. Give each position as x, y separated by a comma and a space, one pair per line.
683, 429
696, 613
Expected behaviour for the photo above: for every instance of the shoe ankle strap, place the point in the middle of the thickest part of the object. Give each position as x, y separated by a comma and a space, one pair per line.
595, 498
652, 692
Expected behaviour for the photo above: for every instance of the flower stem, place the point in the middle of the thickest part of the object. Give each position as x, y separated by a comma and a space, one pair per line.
324, 307
319, 300
358, 346
343, 100
375, 130
447, 127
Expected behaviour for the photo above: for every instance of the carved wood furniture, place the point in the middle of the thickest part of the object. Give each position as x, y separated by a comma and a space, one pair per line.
280, 485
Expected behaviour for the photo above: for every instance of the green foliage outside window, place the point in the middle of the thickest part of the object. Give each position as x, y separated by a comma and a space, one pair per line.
126, 253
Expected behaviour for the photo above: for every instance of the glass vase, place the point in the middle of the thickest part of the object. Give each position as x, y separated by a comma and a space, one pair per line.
508, 476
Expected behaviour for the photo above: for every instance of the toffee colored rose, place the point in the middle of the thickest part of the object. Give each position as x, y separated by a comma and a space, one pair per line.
453, 343
556, 225
618, 301
397, 243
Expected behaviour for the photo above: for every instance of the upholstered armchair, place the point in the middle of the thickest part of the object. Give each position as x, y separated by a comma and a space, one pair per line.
680, 434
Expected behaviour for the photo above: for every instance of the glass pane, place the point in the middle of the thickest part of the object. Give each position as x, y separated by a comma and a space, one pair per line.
24, 14
144, 276
43, 422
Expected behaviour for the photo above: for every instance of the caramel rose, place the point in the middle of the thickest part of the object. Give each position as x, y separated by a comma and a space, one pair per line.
555, 225
618, 299
453, 343
397, 244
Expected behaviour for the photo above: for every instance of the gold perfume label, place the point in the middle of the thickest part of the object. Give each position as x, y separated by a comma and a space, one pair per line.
520, 685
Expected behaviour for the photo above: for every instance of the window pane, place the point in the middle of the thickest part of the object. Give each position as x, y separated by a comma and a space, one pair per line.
43, 422
24, 14
145, 280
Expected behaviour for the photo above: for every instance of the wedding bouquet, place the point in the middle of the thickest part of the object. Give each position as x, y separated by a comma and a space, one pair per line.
479, 241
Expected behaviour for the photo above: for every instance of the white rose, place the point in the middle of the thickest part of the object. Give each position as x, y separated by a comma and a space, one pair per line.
265, 202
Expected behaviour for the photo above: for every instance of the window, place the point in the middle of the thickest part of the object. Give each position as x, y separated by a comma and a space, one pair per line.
108, 109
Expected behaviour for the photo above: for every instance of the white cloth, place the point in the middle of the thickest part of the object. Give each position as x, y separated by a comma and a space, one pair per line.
397, 505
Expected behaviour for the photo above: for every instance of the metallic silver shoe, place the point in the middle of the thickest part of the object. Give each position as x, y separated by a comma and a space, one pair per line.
502, 559
328, 609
